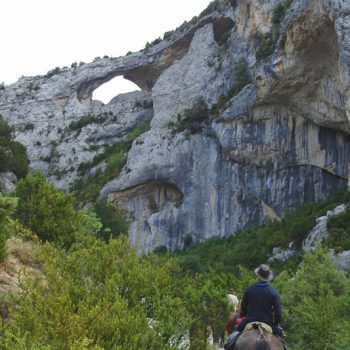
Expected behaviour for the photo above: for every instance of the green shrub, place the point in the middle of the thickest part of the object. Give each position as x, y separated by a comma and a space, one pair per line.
101, 295
156, 41
13, 155
86, 120
191, 119
268, 40
7, 208
48, 211
147, 46
112, 219
216, 5
339, 227
5, 129
29, 127
241, 78
161, 249
144, 103
52, 72
266, 47
224, 37
168, 34
317, 304
278, 15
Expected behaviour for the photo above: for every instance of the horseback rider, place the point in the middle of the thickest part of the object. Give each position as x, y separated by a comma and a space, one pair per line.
260, 303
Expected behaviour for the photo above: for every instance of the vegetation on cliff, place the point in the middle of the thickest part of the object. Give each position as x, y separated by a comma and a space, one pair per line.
13, 155
267, 41
113, 158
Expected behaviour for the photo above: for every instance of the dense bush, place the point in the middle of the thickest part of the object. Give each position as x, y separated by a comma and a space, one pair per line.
191, 119
102, 295
112, 219
7, 207
317, 301
13, 155
49, 212
5, 129
339, 227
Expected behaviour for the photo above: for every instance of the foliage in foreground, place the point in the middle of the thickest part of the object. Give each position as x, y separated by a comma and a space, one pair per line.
317, 301
101, 294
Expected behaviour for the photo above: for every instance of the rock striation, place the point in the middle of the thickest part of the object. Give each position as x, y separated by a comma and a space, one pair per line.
279, 141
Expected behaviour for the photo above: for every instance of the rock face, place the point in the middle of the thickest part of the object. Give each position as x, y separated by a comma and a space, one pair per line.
278, 142
7, 182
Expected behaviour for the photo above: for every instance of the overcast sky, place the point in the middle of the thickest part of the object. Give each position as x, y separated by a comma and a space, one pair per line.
38, 35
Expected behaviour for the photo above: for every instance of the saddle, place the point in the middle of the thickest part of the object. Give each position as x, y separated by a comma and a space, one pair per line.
257, 325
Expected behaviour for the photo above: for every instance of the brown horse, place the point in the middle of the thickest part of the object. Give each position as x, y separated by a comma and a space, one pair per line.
258, 339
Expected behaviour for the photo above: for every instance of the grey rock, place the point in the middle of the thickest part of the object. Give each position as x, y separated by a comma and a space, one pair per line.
320, 231
282, 255
7, 182
343, 260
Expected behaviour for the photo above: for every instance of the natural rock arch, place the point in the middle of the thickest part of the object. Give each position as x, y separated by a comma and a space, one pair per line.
112, 88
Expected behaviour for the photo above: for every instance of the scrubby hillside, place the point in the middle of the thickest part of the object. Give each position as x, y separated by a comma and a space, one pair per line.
66, 283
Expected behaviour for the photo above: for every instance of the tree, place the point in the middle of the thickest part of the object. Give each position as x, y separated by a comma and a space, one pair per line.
48, 211
206, 301
317, 302
112, 219
13, 155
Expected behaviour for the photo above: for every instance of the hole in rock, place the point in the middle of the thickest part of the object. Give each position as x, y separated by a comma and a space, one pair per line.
112, 88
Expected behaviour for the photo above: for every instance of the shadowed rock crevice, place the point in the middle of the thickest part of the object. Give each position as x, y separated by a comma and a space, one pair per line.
147, 206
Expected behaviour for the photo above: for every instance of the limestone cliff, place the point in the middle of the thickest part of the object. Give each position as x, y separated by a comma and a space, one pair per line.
272, 144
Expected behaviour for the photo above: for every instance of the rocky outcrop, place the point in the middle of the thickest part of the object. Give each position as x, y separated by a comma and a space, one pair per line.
320, 231
313, 241
278, 142
7, 182
343, 260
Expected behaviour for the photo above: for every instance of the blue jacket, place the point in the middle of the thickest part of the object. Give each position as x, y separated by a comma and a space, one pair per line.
261, 302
